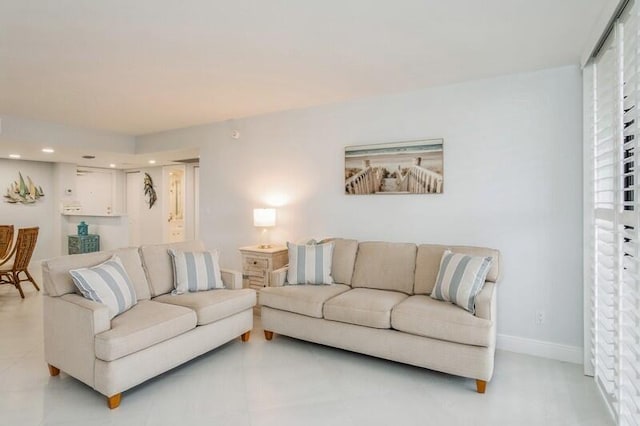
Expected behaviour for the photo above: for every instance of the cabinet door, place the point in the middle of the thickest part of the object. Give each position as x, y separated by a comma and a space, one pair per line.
94, 189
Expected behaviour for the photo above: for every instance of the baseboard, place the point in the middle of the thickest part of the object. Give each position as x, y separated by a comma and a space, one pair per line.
540, 348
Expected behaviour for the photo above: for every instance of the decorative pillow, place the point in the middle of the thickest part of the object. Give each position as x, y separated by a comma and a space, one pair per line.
195, 271
461, 278
106, 283
310, 264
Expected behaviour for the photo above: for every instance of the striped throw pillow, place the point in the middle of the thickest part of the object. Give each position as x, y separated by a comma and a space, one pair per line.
195, 271
107, 283
310, 264
461, 278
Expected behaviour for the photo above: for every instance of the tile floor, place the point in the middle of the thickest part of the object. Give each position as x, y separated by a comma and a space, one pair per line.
287, 382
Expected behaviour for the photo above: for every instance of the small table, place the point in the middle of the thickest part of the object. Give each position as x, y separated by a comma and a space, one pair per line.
258, 263
83, 243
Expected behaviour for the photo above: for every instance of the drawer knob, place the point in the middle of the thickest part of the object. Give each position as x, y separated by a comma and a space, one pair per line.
255, 262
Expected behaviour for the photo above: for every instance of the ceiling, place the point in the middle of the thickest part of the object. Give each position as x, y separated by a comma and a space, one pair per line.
102, 159
143, 66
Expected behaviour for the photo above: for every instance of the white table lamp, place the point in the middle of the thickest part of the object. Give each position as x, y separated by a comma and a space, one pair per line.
264, 218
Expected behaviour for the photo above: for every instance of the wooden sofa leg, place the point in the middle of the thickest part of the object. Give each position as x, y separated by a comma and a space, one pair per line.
54, 371
268, 334
481, 386
114, 401
245, 336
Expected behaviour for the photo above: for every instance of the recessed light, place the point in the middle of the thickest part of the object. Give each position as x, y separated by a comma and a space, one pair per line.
152, 161
14, 155
112, 165
48, 150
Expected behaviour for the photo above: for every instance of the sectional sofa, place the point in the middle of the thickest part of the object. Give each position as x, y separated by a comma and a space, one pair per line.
379, 305
157, 334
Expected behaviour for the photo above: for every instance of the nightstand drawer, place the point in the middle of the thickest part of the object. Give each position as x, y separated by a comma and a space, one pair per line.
256, 264
256, 281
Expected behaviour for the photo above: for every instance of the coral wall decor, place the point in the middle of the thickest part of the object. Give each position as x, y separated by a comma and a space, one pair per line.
23, 193
149, 190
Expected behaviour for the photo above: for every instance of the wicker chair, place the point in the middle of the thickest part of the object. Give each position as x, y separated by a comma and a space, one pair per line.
6, 239
21, 254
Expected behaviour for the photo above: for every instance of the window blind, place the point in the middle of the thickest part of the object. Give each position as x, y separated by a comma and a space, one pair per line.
613, 235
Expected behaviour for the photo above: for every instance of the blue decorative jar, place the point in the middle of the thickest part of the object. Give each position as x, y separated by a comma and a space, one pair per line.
83, 228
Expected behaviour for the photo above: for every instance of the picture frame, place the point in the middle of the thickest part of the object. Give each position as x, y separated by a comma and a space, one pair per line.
408, 167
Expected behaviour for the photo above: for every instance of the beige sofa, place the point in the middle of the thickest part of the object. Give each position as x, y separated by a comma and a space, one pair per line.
159, 333
379, 305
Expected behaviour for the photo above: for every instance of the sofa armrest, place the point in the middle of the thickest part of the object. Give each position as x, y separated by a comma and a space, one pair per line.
486, 302
231, 279
70, 325
278, 277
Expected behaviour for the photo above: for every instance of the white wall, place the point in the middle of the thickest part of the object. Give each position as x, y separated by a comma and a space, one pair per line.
512, 161
39, 213
150, 230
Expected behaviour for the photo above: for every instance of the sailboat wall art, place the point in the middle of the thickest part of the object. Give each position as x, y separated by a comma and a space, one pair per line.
23, 192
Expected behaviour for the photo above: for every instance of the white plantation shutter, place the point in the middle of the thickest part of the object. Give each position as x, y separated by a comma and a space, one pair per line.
612, 233
629, 289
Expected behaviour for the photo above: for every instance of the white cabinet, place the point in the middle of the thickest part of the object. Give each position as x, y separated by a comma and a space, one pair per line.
96, 192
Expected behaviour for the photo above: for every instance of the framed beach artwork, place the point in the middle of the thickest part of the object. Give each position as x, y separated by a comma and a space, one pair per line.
411, 167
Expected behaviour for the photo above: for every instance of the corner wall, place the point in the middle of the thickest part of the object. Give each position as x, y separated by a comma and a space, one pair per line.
512, 180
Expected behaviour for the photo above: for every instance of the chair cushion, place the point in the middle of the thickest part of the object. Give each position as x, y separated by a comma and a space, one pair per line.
461, 278
310, 263
58, 282
143, 326
424, 316
107, 283
344, 257
195, 270
213, 305
363, 306
300, 299
385, 266
159, 267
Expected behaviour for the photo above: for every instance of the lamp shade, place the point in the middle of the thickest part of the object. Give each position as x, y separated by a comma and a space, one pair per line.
264, 218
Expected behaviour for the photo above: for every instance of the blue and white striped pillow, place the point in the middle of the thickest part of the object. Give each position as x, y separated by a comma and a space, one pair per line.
310, 264
195, 271
106, 283
461, 278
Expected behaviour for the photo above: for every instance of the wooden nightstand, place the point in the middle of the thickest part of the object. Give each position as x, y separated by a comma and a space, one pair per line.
258, 263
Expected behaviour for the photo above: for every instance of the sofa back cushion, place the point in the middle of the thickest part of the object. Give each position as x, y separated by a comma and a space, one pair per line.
344, 259
57, 279
158, 265
428, 264
385, 266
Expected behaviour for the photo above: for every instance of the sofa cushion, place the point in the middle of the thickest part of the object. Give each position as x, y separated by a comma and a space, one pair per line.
300, 299
385, 266
107, 283
424, 316
58, 282
159, 267
195, 270
460, 278
363, 306
310, 263
344, 258
143, 326
213, 305
428, 264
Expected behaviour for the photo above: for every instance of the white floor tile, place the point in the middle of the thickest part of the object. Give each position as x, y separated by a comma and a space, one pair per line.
286, 382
